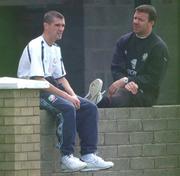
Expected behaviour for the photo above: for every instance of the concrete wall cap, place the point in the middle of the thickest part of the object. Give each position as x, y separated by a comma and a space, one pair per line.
16, 83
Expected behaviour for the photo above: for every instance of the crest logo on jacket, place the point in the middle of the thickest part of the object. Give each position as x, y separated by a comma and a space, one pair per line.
144, 57
133, 63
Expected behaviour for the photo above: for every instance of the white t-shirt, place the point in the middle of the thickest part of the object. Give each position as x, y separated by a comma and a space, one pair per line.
40, 59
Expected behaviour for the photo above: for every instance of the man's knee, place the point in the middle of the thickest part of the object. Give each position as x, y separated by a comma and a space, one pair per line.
70, 107
92, 106
122, 98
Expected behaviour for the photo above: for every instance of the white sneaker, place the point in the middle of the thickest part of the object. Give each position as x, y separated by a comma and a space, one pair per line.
69, 163
94, 94
95, 163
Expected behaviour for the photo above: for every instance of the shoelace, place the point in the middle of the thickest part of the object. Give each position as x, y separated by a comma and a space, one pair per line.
96, 159
70, 156
102, 93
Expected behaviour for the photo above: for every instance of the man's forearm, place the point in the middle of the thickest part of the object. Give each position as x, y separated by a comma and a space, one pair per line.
67, 86
54, 90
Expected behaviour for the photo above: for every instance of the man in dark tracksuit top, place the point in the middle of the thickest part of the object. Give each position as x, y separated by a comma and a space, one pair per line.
42, 60
139, 64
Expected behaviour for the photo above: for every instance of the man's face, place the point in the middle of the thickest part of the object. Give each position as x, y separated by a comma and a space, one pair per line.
55, 29
141, 24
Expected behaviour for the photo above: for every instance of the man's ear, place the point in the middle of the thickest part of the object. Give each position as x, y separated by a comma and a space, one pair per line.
152, 23
45, 25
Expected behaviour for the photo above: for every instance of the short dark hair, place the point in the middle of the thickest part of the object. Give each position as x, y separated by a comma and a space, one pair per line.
149, 9
49, 16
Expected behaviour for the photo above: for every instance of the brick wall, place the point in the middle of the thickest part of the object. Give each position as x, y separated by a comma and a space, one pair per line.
168, 28
104, 23
19, 133
140, 141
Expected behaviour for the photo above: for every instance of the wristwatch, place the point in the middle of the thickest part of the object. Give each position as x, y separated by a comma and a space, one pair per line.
125, 79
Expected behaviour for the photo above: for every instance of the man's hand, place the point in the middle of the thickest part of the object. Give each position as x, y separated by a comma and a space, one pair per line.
70, 94
115, 86
74, 99
132, 87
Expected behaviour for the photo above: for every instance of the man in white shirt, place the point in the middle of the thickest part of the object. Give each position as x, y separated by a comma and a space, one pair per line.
42, 60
